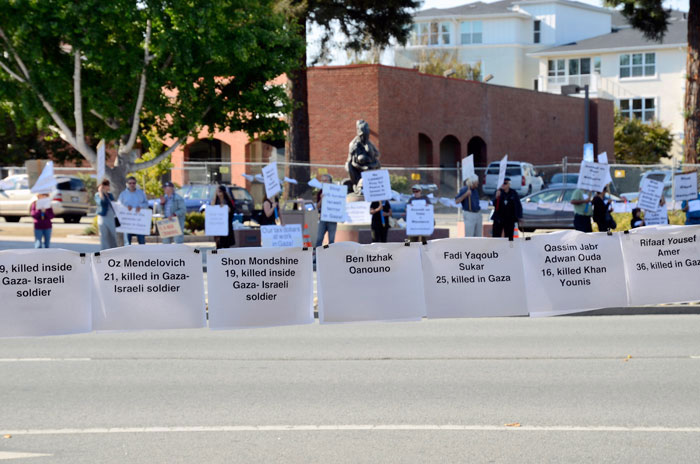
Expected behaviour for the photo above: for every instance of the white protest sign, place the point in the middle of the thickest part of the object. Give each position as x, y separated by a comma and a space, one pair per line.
662, 264
650, 194
467, 167
588, 152
420, 220
376, 185
502, 172
260, 287
101, 155
132, 222
572, 271
46, 181
474, 277
693, 205
603, 158
316, 184
357, 212
148, 287
619, 207
216, 220
44, 292
169, 227
686, 186
281, 236
377, 282
272, 182
43, 203
658, 217
593, 176
333, 203
290, 181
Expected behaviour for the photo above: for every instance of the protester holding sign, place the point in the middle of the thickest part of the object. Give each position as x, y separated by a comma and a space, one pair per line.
692, 211
468, 196
42, 213
173, 208
270, 213
583, 211
106, 217
418, 197
133, 198
601, 211
381, 212
324, 226
222, 198
507, 210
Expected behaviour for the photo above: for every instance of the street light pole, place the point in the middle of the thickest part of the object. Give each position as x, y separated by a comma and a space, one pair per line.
570, 89
588, 113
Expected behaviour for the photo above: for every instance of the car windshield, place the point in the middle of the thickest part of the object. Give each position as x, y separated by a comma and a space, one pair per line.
198, 192
548, 196
562, 178
511, 169
241, 195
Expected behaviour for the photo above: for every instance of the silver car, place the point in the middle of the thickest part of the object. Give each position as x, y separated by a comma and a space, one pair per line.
69, 198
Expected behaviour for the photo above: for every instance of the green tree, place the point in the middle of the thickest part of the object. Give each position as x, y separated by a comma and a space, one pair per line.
150, 179
637, 142
650, 17
114, 69
438, 62
365, 24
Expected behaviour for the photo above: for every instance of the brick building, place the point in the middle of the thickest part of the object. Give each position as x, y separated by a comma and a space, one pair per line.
423, 120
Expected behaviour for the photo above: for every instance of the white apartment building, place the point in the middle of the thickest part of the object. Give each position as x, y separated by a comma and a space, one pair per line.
544, 44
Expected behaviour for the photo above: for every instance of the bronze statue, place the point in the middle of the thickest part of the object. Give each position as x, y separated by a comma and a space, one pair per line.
362, 154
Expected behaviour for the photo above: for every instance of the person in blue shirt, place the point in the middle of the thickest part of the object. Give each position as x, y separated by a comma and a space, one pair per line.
691, 217
106, 216
173, 208
133, 198
468, 196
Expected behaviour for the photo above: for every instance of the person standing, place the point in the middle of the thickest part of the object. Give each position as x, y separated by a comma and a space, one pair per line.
324, 226
468, 196
270, 213
507, 210
601, 211
582, 210
133, 198
173, 208
417, 192
106, 216
222, 198
42, 222
380, 211
691, 217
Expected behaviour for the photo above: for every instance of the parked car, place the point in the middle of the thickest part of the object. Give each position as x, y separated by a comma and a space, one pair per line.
69, 199
665, 176
523, 178
560, 180
197, 196
550, 209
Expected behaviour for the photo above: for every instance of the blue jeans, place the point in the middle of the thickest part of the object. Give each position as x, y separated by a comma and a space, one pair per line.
38, 234
139, 238
324, 226
175, 239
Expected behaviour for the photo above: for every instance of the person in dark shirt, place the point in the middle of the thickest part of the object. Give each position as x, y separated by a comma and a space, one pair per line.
507, 210
601, 210
380, 211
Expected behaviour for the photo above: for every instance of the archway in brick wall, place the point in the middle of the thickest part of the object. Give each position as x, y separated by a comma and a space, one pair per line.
425, 150
450, 150
477, 147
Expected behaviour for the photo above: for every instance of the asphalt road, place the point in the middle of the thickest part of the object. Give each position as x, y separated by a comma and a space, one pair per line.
582, 389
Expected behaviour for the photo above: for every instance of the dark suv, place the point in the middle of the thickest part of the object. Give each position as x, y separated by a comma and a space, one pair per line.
198, 195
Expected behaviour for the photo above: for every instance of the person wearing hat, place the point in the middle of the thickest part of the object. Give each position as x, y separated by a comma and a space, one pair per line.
133, 198
173, 207
468, 198
507, 209
417, 191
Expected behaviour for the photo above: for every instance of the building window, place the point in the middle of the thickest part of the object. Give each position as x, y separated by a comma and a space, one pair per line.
596, 65
638, 108
579, 66
637, 65
471, 32
431, 34
536, 28
556, 71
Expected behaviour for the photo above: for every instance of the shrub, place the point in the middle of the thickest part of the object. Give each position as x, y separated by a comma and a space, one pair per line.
194, 221
92, 229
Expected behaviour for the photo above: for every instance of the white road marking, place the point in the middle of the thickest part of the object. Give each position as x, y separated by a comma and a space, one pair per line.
357, 427
43, 359
695, 357
12, 455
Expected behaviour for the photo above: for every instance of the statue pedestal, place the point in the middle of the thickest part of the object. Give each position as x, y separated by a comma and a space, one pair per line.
361, 233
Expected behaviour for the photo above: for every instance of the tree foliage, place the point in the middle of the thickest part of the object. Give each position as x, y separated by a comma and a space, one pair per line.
651, 19
637, 142
438, 62
114, 69
151, 179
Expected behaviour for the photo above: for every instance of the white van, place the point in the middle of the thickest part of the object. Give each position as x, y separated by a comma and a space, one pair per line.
523, 178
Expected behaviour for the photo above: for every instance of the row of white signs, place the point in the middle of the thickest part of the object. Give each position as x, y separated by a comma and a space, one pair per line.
52, 291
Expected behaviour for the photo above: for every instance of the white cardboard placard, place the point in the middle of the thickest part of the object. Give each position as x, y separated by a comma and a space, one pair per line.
686, 186
357, 212
650, 194
169, 227
502, 171
272, 182
474, 277
467, 167
216, 221
376, 185
333, 202
420, 219
377, 282
655, 218
44, 292
593, 176
260, 287
132, 222
281, 236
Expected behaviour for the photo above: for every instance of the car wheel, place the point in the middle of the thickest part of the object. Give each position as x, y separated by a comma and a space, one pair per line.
71, 219
12, 218
529, 229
